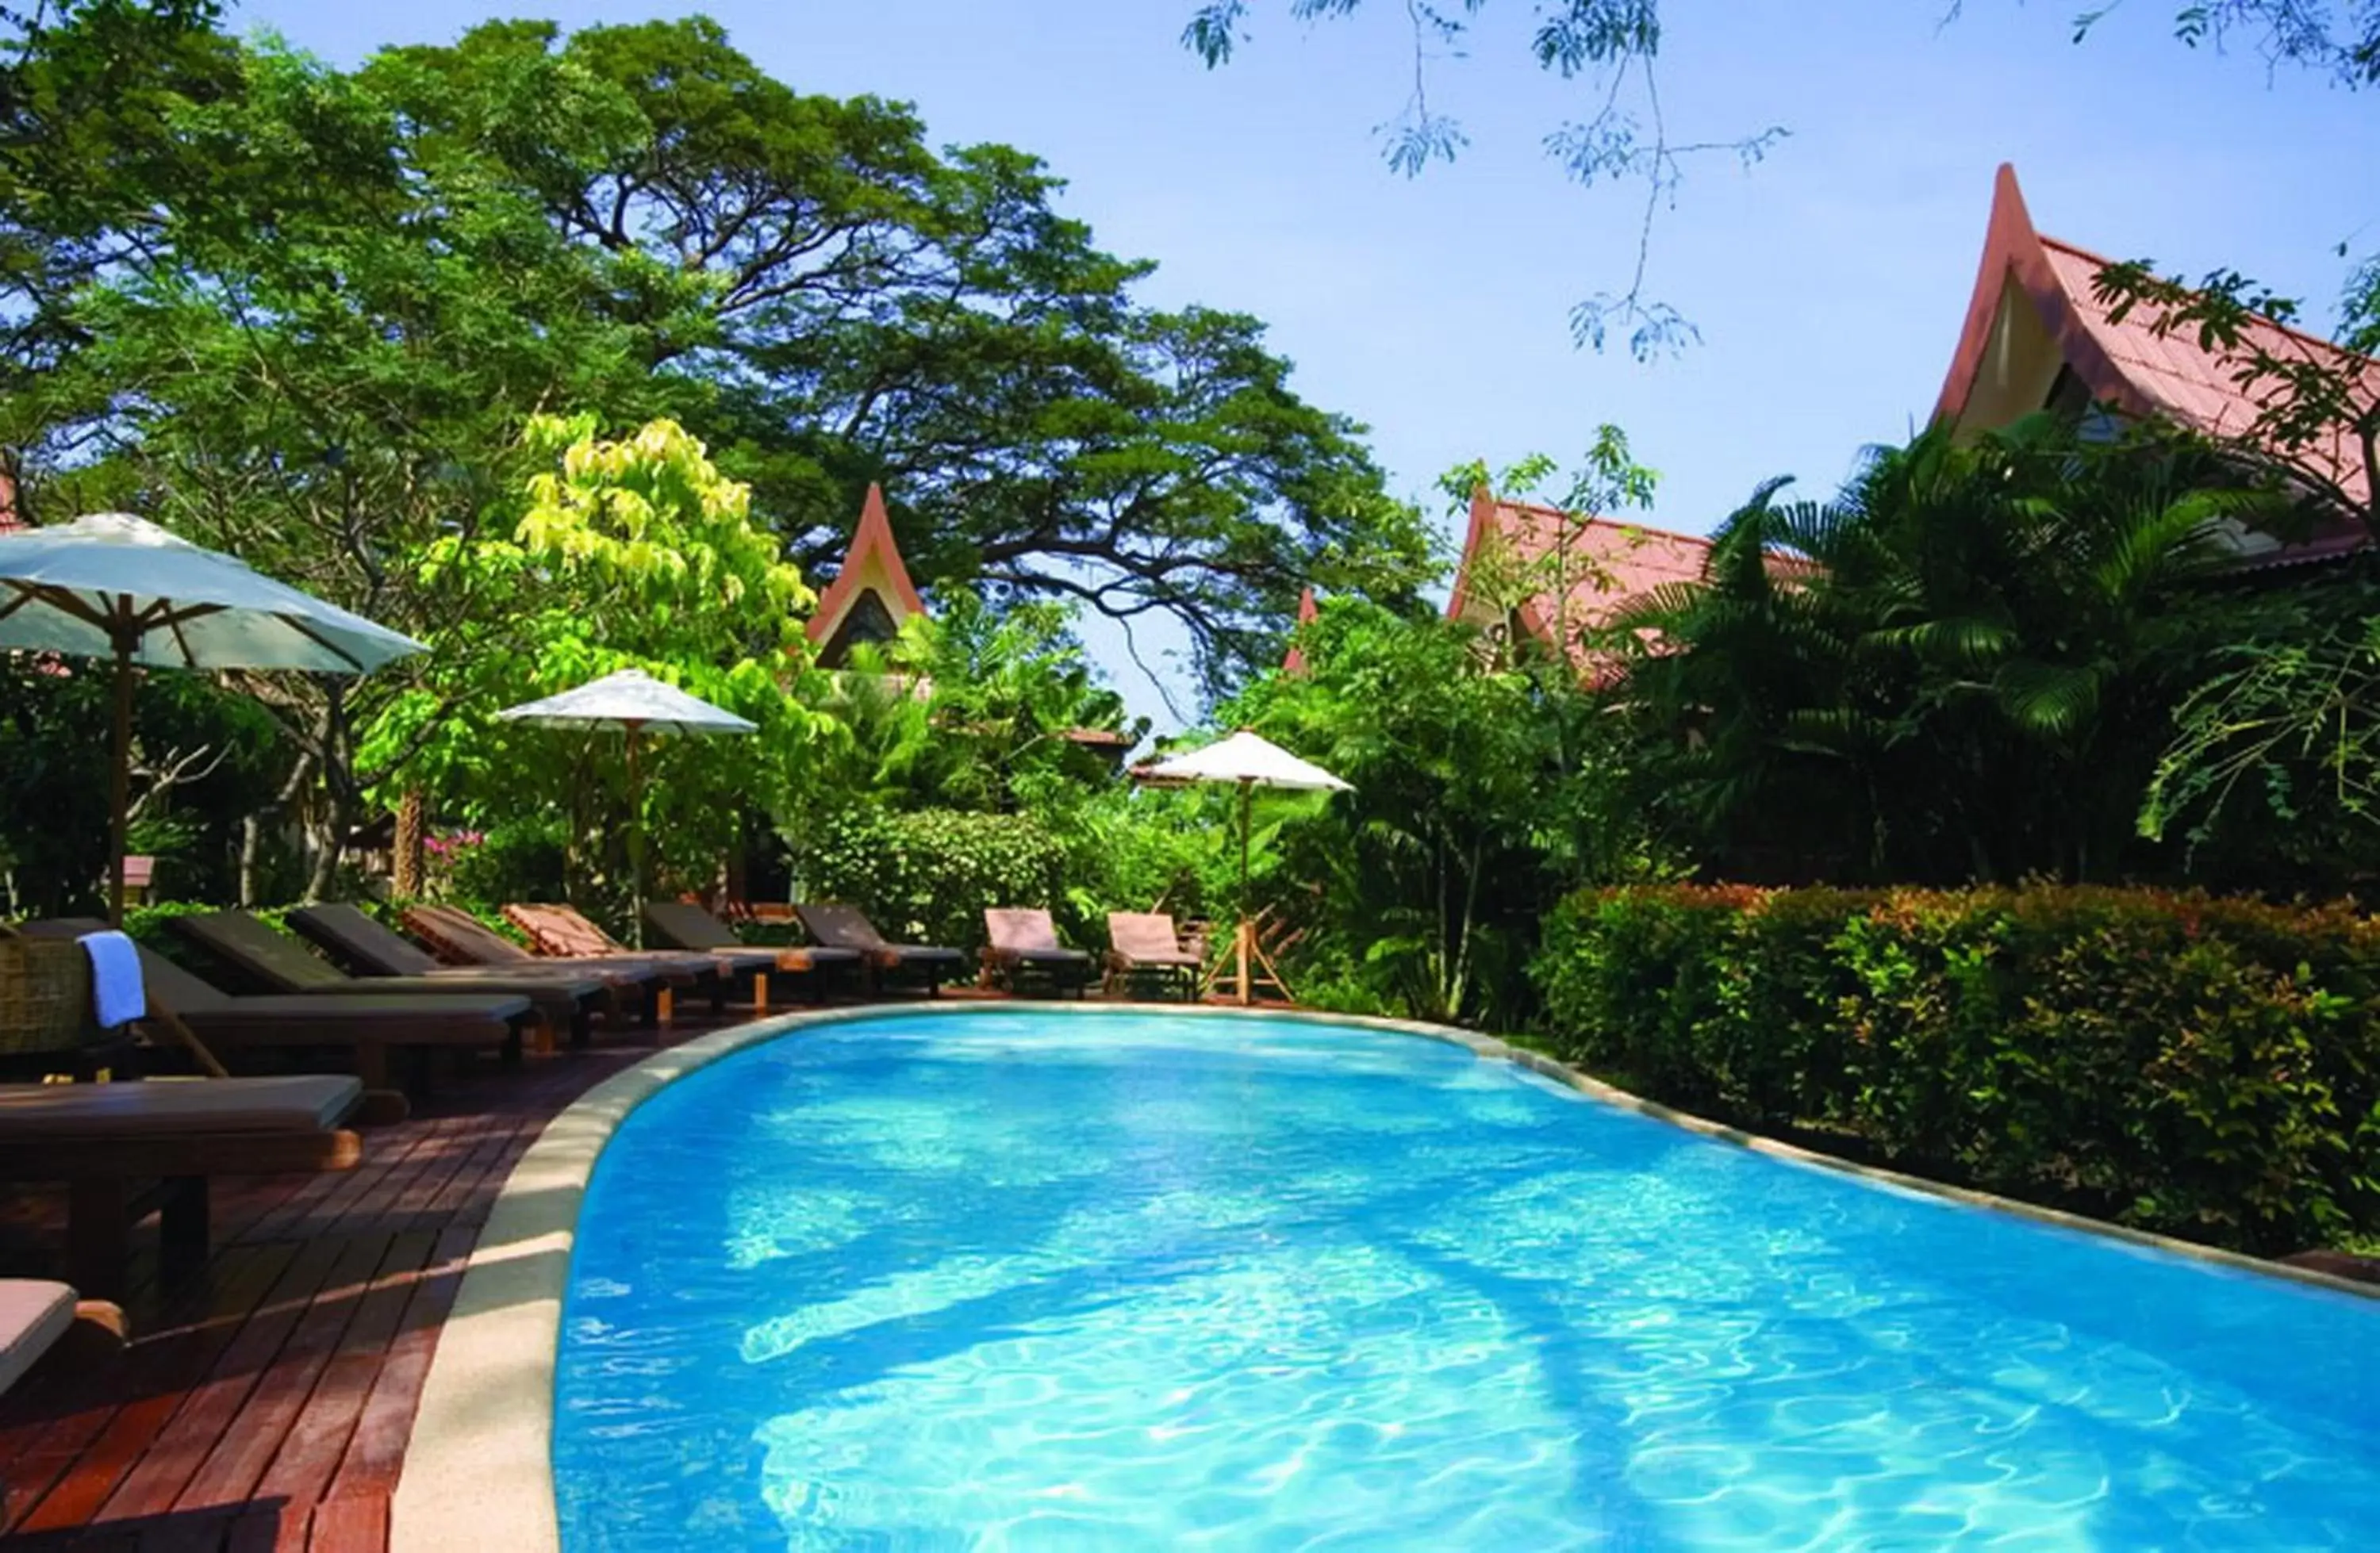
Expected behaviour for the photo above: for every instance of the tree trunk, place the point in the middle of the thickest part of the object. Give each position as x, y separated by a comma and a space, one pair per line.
406, 885
332, 822
251, 832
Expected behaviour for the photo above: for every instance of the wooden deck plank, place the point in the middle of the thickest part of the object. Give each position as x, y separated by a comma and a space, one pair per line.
376, 1449
317, 1440
232, 1469
351, 1526
80, 1427
159, 1456
269, 1404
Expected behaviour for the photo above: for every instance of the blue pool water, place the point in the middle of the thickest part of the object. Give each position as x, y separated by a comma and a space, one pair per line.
1004, 1281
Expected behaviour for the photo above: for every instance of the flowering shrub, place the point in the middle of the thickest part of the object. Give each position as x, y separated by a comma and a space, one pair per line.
929, 874
2198, 1066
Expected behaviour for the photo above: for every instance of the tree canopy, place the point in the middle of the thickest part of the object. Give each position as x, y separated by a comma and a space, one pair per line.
309, 311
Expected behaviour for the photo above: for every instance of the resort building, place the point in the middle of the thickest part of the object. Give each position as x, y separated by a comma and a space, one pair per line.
1532, 571
2037, 335
872, 593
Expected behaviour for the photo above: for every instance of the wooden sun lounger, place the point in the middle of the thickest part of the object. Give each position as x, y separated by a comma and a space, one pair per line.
843, 927
105, 1140
1025, 951
370, 948
562, 932
260, 951
462, 939
366, 1026
1144, 949
684, 925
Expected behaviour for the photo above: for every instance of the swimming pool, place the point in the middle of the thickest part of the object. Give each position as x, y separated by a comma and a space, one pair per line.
1002, 1279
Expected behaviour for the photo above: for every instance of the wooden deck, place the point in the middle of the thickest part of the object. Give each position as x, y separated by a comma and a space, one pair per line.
266, 1403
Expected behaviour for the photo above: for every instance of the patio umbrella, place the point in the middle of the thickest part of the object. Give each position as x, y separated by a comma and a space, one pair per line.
636, 703
1252, 762
116, 587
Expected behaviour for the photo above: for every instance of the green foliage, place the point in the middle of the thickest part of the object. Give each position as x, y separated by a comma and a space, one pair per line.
2190, 1065
2273, 767
202, 760
929, 875
1961, 668
1481, 792
305, 314
975, 707
627, 553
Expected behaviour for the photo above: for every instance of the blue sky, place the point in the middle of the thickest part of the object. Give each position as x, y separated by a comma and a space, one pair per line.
1828, 283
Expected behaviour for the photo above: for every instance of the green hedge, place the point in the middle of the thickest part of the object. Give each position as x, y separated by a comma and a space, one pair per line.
929, 874
2202, 1067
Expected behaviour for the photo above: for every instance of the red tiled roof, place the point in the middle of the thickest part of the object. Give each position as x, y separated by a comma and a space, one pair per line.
1308, 611
872, 539
1616, 564
2128, 364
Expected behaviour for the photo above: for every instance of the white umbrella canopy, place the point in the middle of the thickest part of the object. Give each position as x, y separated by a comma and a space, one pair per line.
109, 582
630, 698
1251, 761
116, 587
1248, 757
633, 702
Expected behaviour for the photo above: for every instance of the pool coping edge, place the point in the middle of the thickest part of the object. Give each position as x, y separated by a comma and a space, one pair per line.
478, 1471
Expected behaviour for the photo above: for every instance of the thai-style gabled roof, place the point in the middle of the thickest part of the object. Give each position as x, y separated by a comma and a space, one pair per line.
2029, 286
1609, 566
871, 595
1308, 611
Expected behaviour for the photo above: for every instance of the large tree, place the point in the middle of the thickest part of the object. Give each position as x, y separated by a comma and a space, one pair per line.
305, 312
864, 309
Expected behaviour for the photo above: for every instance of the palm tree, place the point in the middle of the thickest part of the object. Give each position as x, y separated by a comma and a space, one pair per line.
1961, 668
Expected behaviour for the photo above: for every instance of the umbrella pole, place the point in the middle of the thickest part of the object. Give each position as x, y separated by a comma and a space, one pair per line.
636, 845
1247, 928
119, 784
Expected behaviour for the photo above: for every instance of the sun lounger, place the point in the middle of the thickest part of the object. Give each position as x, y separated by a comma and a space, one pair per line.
842, 926
364, 1026
564, 932
1025, 951
264, 954
369, 947
38, 1317
1146, 950
684, 925
104, 1140
462, 939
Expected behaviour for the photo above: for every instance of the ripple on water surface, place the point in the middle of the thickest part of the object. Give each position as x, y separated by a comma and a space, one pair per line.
1004, 1281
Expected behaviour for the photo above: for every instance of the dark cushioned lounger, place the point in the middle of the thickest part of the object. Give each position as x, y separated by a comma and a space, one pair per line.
684, 925
365, 1025
1025, 951
105, 1140
843, 927
258, 950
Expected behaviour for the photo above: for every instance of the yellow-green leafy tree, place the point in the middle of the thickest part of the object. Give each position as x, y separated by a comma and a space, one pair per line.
633, 553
